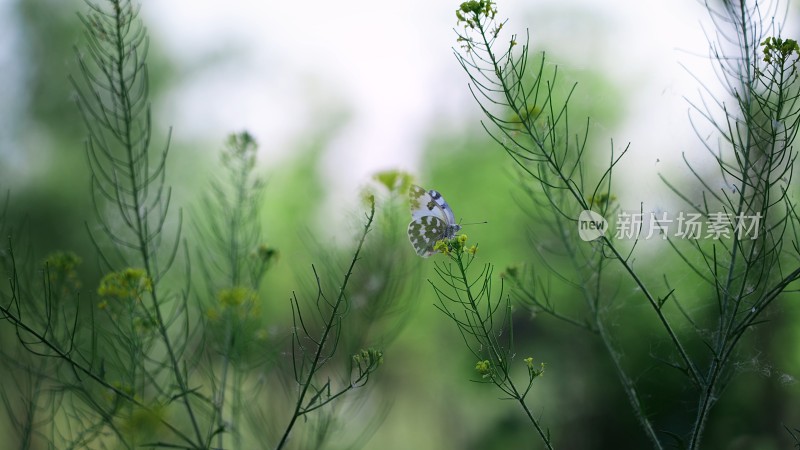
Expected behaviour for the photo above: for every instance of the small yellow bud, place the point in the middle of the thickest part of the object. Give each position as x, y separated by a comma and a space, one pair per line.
442, 246
529, 362
266, 253
129, 283
484, 368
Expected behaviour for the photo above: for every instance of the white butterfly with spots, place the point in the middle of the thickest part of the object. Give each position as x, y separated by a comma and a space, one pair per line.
431, 220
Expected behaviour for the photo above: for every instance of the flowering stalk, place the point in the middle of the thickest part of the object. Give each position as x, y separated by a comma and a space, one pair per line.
485, 328
312, 396
758, 125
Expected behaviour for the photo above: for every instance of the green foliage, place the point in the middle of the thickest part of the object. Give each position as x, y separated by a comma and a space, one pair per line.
158, 335
532, 123
163, 359
484, 322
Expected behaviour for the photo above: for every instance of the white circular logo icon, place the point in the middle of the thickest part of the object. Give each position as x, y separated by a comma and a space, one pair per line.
591, 225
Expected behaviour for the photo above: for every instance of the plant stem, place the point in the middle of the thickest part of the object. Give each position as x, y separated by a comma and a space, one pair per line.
579, 197
23, 328
137, 191
486, 335
326, 332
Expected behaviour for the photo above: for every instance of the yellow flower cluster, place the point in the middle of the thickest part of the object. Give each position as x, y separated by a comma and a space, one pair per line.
601, 200
533, 373
126, 284
456, 245
265, 253
484, 368
470, 13
62, 268
369, 358
394, 180
242, 301
235, 296
779, 49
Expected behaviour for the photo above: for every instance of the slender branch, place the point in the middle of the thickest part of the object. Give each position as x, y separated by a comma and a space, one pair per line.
331, 323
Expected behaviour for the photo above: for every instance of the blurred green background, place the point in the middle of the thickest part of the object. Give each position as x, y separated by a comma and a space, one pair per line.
313, 176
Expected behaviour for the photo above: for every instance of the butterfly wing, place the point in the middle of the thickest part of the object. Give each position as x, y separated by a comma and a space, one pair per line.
444, 208
429, 203
431, 220
424, 232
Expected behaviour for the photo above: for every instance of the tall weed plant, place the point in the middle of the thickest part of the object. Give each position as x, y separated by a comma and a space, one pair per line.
172, 350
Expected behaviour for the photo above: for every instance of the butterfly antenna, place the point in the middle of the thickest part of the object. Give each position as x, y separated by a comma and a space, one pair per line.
475, 223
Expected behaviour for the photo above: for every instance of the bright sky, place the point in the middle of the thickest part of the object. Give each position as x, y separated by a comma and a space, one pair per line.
287, 67
389, 65
10, 80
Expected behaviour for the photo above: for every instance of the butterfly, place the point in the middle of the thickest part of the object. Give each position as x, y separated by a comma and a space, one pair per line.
431, 220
